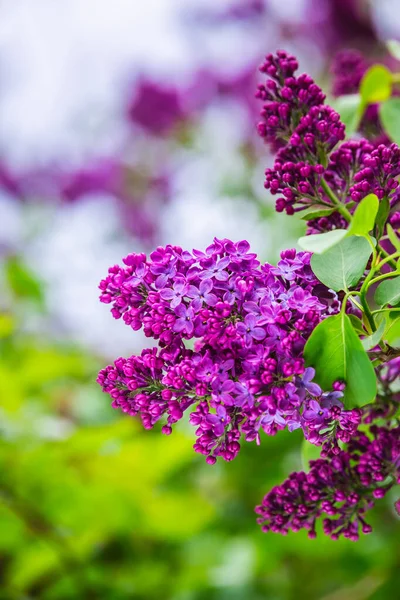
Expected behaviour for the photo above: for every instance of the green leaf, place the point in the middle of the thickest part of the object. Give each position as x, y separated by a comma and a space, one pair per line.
393, 237
23, 281
374, 339
341, 267
323, 241
392, 333
388, 292
393, 47
389, 112
309, 452
336, 353
376, 85
7, 325
357, 325
381, 217
317, 211
351, 111
364, 216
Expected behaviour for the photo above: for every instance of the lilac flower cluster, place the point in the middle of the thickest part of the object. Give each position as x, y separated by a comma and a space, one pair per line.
379, 169
231, 332
300, 183
343, 163
136, 192
348, 69
317, 133
342, 487
156, 108
286, 99
311, 168
295, 119
246, 372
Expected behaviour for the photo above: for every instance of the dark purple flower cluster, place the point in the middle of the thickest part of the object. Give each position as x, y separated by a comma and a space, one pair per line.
137, 193
344, 162
286, 99
394, 218
246, 372
317, 133
300, 183
296, 120
338, 22
342, 487
311, 168
378, 173
8, 180
155, 107
348, 69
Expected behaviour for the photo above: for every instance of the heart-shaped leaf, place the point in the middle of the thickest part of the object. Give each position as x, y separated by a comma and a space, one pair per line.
389, 112
341, 267
376, 85
392, 333
357, 325
393, 237
388, 292
374, 339
321, 242
381, 217
316, 211
364, 216
336, 353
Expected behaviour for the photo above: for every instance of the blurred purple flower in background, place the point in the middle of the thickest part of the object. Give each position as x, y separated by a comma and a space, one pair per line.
155, 107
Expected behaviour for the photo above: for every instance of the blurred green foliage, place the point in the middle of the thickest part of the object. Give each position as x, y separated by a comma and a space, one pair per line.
93, 506
22, 282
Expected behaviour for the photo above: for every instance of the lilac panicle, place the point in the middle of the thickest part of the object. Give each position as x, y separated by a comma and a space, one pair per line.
286, 98
231, 332
378, 173
312, 165
299, 183
250, 322
340, 489
156, 108
348, 68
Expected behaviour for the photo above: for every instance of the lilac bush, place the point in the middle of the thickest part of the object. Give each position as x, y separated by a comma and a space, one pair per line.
313, 343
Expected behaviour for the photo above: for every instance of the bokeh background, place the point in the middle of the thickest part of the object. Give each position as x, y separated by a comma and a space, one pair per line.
125, 125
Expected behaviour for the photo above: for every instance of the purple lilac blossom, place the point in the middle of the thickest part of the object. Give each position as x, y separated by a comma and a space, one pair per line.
136, 192
348, 68
310, 156
340, 488
247, 357
249, 324
9, 181
285, 98
155, 107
